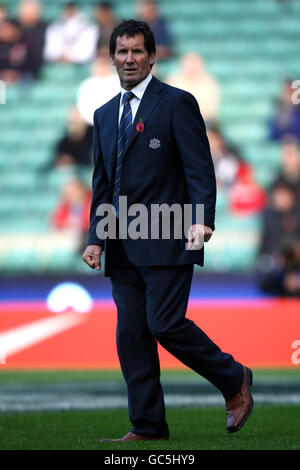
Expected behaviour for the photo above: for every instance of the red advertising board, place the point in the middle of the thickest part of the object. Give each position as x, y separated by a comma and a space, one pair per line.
259, 333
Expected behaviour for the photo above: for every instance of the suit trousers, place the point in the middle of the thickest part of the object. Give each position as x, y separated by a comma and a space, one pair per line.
151, 303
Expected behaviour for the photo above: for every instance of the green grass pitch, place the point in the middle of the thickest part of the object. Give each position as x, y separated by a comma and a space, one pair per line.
269, 427
274, 427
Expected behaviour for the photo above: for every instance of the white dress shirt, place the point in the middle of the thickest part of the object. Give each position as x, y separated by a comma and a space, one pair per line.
138, 91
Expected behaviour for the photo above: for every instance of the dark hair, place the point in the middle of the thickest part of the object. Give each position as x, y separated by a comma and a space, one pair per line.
70, 4
105, 5
130, 28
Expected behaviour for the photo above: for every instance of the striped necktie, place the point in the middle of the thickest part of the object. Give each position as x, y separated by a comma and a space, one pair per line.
123, 136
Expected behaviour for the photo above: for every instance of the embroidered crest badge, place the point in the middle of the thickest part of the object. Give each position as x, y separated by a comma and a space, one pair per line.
154, 143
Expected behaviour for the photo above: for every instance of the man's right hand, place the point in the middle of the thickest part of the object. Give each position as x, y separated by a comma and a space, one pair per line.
92, 256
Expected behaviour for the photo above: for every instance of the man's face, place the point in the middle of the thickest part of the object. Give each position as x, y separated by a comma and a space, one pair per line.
132, 60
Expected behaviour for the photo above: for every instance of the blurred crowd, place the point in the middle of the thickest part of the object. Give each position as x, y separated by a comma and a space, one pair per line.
22, 42
278, 260
279, 252
27, 42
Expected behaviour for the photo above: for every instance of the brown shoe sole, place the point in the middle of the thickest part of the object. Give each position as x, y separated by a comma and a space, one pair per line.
237, 428
139, 438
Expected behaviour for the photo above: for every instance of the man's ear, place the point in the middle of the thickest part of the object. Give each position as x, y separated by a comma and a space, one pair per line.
152, 59
112, 58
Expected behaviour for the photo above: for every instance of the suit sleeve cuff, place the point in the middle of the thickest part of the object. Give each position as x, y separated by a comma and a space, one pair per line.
94, 240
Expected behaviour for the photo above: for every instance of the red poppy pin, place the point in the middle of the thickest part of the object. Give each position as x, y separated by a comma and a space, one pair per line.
140, 126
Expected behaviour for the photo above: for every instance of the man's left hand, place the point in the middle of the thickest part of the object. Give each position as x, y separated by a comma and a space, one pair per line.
198, 234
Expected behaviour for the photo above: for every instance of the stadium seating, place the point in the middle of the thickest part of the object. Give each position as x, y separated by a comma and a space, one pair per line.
250, 47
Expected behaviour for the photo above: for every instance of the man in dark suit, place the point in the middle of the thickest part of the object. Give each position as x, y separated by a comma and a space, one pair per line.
150, 145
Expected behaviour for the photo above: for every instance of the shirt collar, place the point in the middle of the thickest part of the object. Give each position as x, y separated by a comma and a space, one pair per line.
139, 89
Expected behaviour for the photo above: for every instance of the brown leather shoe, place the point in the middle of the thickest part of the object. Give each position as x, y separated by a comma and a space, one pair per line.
135, 437
239, 407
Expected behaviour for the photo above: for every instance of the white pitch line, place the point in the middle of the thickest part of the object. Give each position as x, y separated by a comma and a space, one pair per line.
217, 400
24, 336
33, 402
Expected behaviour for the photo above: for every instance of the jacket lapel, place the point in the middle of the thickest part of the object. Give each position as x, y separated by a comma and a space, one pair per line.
150, 99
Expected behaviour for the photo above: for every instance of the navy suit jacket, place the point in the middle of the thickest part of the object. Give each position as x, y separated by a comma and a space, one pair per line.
180, 170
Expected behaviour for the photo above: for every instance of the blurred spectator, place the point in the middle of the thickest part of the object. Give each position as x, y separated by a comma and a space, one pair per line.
283, 279
194, 78
286, 120
106, 21
34, 30
235, 176
13, 51
73, 39
227, 161
148, 11
291, 271
281, 223
93, 92
290, 166
75, 147
278, 261
72, 214
3, 14
246, 197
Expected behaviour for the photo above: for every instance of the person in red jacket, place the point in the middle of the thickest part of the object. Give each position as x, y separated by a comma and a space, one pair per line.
73, 210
